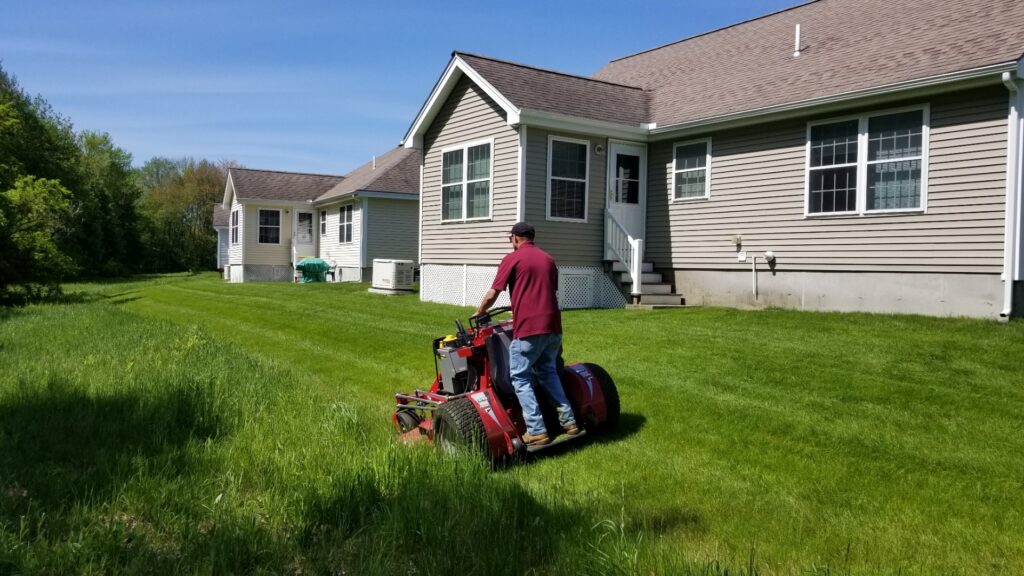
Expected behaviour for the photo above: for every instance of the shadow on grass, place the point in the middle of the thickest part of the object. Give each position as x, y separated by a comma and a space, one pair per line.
440, 518
60, 448
629, 424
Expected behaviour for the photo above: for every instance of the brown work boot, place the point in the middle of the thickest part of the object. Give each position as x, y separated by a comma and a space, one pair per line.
571, 429
536, 439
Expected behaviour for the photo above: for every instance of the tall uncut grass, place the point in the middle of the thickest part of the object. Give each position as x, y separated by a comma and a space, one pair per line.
182, 425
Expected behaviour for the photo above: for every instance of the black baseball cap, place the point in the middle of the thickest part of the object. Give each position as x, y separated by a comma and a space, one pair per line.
523, 229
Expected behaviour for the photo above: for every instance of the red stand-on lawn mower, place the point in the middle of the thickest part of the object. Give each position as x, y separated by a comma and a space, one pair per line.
472, 403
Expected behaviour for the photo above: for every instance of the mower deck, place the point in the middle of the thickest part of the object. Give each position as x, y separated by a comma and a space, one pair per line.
561, 439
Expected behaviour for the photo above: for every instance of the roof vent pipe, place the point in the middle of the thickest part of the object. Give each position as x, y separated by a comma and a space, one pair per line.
374, 162
796, 44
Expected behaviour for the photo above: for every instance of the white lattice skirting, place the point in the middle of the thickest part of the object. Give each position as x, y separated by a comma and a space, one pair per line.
465, 285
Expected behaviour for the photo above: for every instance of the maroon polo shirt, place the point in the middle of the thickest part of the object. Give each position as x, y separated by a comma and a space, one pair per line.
532, 278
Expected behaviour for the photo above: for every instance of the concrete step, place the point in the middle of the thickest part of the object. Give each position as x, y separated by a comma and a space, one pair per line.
646, 278
662, 299
618, 266
656, 289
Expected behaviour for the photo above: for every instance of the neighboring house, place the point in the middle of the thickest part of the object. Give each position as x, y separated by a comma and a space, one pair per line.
372, 213
276, 219
873, 146
220, 226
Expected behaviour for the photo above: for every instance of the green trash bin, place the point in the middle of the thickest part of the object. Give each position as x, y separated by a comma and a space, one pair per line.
313, 270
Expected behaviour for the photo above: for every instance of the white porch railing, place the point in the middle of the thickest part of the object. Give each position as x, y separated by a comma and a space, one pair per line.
627, 249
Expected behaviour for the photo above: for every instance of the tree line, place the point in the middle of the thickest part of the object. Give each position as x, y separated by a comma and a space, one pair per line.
72, 206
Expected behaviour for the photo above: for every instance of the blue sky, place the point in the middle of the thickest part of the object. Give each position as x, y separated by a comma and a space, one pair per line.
304, 86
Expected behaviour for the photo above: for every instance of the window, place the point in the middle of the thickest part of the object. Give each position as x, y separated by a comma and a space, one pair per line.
345, 224
304, 231
626, 188
466, 182
872, 163
234, 226
270, 227
568, 167
323, 223
691, 170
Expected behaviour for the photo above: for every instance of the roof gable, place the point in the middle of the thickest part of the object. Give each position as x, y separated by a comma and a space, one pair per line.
525, 91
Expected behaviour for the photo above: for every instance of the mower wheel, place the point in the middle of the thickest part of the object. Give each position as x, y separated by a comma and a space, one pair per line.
611, 397
407, 420
458, 426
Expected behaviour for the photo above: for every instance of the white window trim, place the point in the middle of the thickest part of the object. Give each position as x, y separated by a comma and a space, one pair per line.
586, 181
351, 223
323, 223
707, 168
863, 162
280, 226
466, 182
234, 227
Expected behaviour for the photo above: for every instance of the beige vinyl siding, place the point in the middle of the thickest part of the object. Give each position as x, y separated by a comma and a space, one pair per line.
333, 251
267, 254
235, 250
569, 243
469, 115
757, 191
391, 229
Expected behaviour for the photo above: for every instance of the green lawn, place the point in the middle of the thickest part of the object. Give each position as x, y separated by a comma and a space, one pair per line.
181, 424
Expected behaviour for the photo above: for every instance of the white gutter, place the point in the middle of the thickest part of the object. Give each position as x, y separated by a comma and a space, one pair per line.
1014, 149
564, 122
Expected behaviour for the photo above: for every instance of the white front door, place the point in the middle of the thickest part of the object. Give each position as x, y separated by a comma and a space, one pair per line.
627, 188
304, 241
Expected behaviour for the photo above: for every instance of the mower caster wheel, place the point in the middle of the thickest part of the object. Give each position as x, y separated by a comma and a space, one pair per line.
407, 420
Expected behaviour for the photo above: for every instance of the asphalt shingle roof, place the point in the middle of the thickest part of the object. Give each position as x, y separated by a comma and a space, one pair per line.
397, 170
220, 215
848, 45
273, 185
560, 93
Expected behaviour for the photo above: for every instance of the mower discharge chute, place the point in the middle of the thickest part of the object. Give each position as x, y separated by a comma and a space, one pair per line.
472, 402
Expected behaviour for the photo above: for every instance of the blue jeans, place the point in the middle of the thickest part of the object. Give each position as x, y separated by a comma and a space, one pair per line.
540, 352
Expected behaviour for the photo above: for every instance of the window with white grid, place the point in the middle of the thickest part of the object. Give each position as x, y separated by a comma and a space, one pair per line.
345, 224
466, 182
234, 226
873, 163
691, 167
568, 170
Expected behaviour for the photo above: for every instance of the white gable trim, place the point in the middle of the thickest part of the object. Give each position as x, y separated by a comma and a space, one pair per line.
444, 87
229, 192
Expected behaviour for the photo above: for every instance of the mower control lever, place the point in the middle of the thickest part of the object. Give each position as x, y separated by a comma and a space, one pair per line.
462, 334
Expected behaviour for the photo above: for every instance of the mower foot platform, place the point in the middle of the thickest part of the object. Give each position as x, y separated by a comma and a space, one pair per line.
561, 439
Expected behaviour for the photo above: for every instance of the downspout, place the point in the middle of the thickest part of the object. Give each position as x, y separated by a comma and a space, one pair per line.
1013, 181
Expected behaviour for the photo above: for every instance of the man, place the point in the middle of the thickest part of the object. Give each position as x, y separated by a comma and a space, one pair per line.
531, 276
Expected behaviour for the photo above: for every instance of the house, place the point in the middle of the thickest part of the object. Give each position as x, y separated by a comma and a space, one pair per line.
277, 218
220, 226
840, 155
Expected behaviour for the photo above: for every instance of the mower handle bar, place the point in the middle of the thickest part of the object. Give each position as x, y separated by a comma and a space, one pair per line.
485, 318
